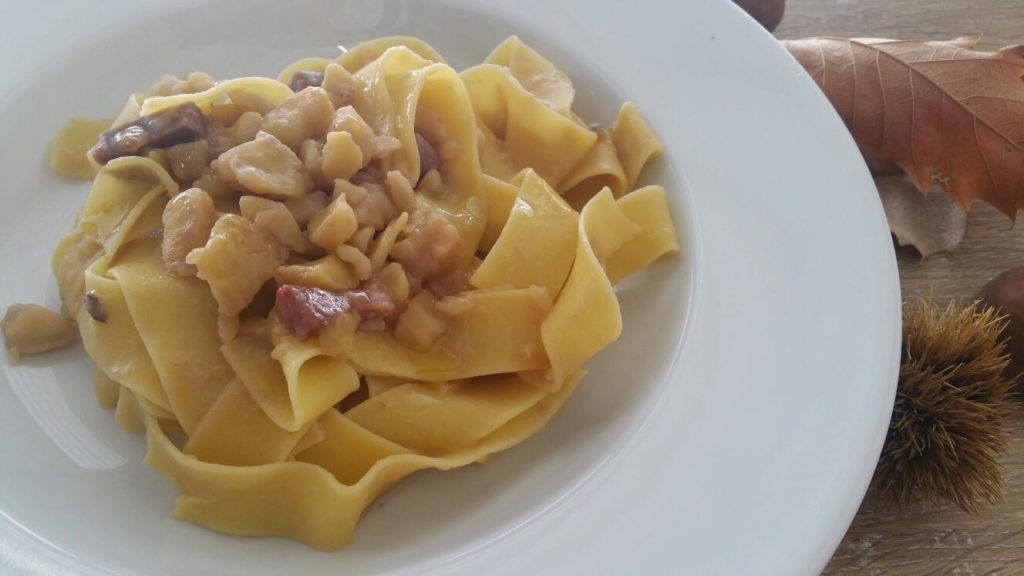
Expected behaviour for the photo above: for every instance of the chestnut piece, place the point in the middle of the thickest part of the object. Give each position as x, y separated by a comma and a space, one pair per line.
767, 12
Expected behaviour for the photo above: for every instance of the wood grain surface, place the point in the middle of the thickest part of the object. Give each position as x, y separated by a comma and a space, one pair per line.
927, 540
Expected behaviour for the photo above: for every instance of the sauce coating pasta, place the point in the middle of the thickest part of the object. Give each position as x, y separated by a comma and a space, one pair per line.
304, 289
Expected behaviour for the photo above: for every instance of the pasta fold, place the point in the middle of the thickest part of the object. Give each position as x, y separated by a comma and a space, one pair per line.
537, 244
294, 382
306, 501
532, 133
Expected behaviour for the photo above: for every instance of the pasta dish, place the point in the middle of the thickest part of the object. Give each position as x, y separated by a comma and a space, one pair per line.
303, 289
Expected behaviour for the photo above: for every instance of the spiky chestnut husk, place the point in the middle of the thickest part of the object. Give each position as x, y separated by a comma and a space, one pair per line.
948, 424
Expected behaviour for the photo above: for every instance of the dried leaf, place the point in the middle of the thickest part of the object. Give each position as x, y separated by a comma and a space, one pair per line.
930, 222
949, 115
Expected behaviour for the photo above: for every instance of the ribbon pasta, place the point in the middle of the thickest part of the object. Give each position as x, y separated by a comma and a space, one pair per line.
433, 308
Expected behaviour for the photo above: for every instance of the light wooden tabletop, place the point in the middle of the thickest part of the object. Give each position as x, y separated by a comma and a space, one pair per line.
928, 540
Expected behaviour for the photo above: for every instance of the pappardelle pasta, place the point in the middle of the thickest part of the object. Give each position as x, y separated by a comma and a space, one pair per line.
304, 289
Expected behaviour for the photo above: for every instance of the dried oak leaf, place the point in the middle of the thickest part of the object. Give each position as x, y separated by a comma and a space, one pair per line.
929, 222
948, 115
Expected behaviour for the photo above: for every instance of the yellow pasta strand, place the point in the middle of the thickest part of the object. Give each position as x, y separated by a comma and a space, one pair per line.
236, 431
185, 347
68, 152
536, 246
495, 161
648, 209
585, 317
534, 73
115, 345
348, 450
314, 435
128, 414
501, 197
295, 388
107, 389
500, 332
119, 189
269, 92
600, 168
635, 142
534, 135
303, 501
436, 418
364, 53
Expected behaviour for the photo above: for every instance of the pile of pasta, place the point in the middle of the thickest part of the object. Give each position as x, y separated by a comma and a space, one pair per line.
366, 267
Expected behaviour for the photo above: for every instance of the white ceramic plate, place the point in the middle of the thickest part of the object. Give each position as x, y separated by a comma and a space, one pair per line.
732, 429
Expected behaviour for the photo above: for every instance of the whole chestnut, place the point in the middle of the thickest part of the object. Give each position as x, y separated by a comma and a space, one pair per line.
1005, 293
767, 12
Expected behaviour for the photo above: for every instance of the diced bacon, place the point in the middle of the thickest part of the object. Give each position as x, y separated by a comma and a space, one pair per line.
371, 303
303, 310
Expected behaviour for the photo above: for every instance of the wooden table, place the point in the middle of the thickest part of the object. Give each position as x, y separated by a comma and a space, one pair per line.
926, 540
